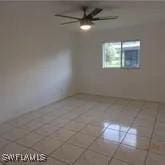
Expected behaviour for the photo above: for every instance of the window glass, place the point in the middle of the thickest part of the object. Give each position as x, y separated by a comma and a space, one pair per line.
121, 54
130, 54
112, 55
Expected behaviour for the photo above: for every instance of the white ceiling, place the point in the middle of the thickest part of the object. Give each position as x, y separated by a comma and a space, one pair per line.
130, 13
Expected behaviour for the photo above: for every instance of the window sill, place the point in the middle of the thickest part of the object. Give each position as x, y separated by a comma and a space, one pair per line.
122, 68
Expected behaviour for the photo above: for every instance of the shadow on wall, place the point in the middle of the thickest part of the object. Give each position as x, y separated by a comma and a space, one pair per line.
31, 85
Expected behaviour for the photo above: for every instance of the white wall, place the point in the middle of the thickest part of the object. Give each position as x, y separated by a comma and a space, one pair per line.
147, 83
35, 63
38, 61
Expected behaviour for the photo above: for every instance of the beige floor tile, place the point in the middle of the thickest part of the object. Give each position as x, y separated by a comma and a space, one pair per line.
4, 127
30, 139
67, 153
60, 122
155, 159
34, 114
30, 151
96, 115
83, 119
51, 161
47, 118
12, 148
152, 106
160, 126
144, 124
136, 141
3, 142
116, 107
117, 162
58, 125
28, 116
81, 140
104, 123
146, 117
74, 126
15, 133
32, 125
47, 145
158, 147
161, 118
46, 129
69, 116
141, 131
18, 122
159, 135
92, 130
131, 155
113, 135
62, 135
57, 112
92, 158
104, 146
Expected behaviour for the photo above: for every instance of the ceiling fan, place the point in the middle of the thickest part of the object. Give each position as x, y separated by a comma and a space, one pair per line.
87, 20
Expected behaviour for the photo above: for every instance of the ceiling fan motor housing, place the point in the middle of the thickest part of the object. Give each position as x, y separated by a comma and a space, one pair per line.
86, 22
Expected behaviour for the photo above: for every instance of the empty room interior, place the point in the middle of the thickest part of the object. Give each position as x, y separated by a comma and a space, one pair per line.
82, 83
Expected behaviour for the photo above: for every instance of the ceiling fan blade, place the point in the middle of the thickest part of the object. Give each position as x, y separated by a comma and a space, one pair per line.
94, 12
105, 18
64, 16
64, 23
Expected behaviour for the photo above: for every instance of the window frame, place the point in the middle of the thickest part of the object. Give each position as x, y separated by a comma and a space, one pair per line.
121, 56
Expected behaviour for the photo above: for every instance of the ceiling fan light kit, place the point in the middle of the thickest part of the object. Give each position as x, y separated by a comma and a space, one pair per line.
85, 25
87, 20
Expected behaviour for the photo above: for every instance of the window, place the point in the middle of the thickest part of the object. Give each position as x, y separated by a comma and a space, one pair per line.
123, 54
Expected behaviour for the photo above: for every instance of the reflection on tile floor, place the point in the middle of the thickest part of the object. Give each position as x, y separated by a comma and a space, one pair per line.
89, 130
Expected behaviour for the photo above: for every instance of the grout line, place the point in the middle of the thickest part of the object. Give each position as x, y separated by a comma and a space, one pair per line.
113, 155
15, 141
85, 149
150, 141
90, 146
37, 127
86, 124
75, 133
92, 108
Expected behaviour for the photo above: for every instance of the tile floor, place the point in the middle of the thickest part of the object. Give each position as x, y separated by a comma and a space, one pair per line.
89, 130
